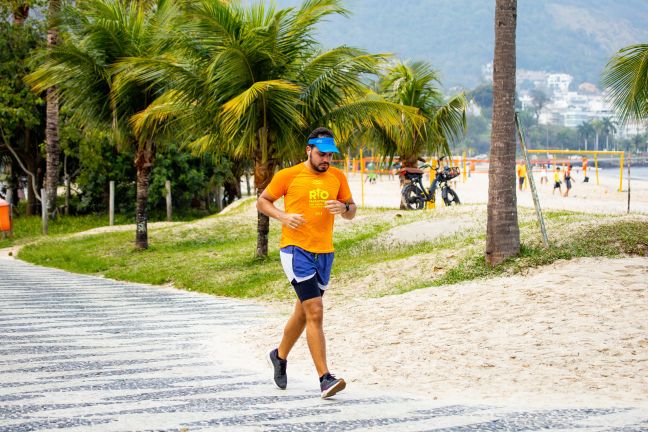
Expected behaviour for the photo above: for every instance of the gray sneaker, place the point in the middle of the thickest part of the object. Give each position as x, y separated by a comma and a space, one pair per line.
331, 385
280, 377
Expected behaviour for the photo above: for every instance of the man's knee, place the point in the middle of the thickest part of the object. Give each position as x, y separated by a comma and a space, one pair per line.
313, 309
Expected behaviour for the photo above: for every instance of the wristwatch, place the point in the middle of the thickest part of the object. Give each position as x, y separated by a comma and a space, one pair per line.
347, 207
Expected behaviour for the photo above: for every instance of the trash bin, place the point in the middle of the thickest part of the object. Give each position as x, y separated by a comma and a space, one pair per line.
5, 215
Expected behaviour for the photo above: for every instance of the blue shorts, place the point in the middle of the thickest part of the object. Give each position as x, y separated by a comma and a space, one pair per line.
308, 272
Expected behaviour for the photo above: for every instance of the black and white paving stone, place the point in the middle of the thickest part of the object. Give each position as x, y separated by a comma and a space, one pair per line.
80, 353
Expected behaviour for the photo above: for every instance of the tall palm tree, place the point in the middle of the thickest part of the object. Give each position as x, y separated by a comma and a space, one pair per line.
21, 114
608, 127
538, 101
101, 33
502, 230
52, 146
585, 131
253, 82
414, 85
597, 125
625, 78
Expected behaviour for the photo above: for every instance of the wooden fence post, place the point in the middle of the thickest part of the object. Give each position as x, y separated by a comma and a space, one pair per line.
44, 210
111, 204
167, 185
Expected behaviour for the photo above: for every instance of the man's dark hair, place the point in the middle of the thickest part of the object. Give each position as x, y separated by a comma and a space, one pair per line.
321, 132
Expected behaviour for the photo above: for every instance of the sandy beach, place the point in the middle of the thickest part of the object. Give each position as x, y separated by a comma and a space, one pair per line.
585, 197
573, 333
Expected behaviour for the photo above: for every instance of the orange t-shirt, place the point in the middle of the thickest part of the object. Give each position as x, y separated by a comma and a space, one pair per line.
305, 192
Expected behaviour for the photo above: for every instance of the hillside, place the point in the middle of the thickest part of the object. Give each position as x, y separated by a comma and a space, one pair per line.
456, 36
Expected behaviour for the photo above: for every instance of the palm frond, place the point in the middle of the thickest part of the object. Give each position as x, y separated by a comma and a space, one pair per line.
626, 79
284, 96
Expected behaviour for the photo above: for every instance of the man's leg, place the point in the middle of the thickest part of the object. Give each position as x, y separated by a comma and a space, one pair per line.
314, 313
293, 330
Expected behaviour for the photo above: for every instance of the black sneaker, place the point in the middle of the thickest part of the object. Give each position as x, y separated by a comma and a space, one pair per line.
331, 385
280, 377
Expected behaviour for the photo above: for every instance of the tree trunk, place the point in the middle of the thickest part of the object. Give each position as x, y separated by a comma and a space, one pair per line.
52, 147
264, 166
502, 230
262, 175
232, 185
144, 164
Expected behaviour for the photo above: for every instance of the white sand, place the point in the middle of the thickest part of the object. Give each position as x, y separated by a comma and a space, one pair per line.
588, 197
572, 333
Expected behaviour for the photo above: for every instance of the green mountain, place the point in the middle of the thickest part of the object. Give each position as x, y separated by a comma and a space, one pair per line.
577, 37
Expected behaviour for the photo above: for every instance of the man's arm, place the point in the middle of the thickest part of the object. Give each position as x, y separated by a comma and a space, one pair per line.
338, 207
265, 204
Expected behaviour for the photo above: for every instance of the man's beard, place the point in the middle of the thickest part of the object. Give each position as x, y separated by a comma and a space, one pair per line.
323, 167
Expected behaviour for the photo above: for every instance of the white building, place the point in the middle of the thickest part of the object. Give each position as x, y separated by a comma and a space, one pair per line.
559, 83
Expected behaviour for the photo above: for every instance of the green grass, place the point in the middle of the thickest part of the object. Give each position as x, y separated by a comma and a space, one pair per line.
606, 240
29, 228
216, 255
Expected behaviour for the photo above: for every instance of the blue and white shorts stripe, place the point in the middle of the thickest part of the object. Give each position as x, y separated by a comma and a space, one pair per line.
300, 265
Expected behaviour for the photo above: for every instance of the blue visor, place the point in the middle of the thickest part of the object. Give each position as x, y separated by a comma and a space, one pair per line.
325, 145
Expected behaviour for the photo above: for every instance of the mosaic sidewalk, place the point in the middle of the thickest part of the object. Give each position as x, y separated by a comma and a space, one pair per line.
80, 353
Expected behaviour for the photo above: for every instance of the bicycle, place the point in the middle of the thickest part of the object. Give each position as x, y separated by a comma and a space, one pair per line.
414, 194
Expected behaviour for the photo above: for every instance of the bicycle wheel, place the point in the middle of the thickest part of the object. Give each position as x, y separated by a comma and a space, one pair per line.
412, 197
451, 197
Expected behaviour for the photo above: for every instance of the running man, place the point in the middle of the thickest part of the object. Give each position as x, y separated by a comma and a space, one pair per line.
314, 192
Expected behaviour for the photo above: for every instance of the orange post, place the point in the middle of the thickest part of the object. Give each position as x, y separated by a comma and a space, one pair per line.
5, 216
362, 170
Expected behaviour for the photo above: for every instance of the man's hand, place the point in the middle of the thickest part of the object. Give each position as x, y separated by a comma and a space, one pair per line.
335, 207
292, 220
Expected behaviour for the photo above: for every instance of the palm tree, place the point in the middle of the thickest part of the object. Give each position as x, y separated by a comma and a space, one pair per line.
413, 85
100, 33
624, 78
21, 113
253, 82
608, 128
597, 125
502, 230
585, 131
539, 100
52, 147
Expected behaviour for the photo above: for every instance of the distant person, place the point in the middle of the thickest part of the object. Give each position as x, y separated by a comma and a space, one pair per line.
521, 173
557, 181
585, 178
544, 175
568, 180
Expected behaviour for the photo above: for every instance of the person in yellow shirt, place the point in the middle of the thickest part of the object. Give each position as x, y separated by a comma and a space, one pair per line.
314, 193
521, 173
557, 181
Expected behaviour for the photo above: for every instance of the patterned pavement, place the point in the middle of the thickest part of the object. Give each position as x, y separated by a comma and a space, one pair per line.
80, 353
